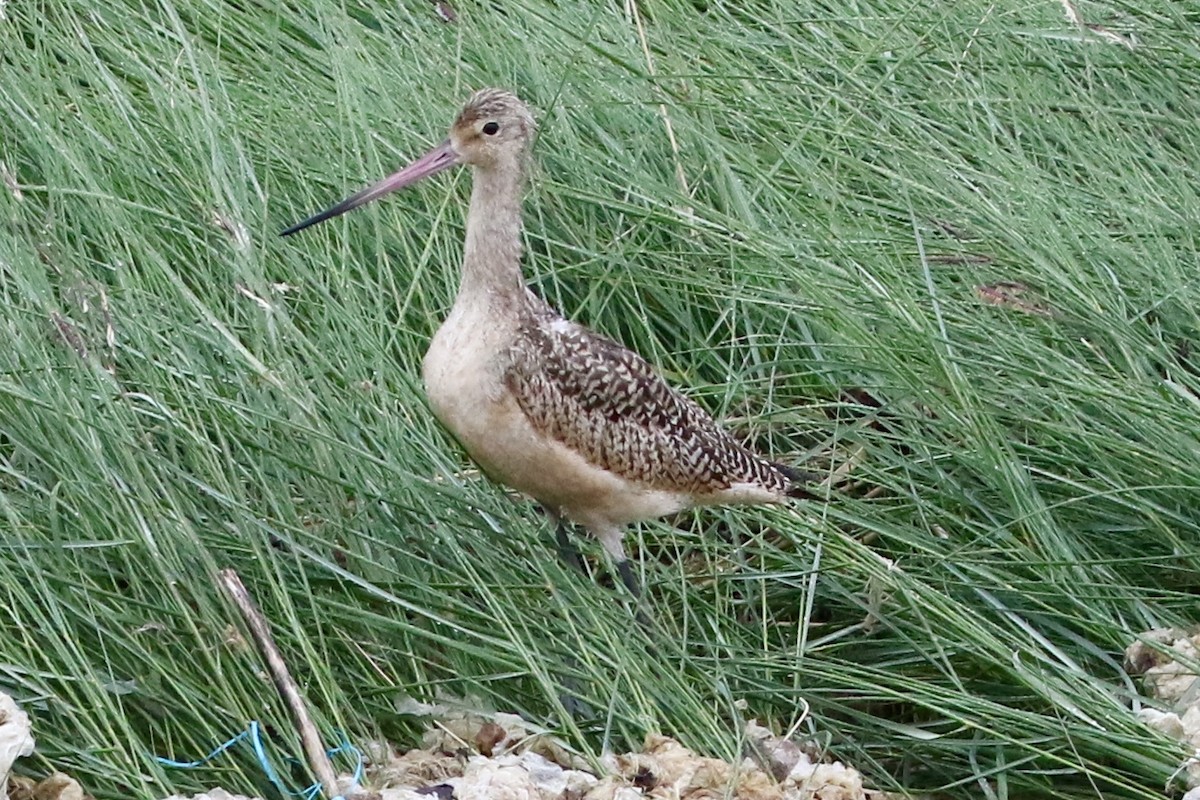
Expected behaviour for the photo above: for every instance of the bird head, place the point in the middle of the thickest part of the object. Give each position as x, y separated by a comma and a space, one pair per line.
493, 131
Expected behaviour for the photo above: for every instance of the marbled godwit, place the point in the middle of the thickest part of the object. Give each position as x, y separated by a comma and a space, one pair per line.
546, 406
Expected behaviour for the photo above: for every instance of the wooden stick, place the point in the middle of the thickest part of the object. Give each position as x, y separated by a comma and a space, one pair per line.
261, 633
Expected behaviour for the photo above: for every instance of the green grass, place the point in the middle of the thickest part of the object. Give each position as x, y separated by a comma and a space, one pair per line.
180, 390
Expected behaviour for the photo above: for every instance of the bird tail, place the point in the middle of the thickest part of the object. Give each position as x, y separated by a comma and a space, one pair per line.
800, 481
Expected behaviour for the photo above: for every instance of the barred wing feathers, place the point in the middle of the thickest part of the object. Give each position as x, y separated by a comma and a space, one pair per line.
607, 404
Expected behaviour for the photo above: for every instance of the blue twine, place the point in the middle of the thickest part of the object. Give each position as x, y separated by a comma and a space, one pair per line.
254, 733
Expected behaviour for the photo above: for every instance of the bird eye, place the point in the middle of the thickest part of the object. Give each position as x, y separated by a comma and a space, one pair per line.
491, 128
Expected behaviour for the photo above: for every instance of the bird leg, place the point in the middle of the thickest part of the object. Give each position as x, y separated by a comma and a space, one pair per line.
629, 579
634, 588
568, 553
611, 538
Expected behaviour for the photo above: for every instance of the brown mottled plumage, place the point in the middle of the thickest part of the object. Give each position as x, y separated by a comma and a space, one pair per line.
606, 403
544, 405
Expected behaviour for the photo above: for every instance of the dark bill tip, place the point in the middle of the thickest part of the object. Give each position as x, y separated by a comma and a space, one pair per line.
329, 213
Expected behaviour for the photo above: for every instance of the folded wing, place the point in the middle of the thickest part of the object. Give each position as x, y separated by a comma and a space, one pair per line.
607, 404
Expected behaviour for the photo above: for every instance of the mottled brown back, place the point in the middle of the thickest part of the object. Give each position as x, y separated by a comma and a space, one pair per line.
606, 403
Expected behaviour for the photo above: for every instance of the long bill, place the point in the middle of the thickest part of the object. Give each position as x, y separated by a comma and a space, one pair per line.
436, 160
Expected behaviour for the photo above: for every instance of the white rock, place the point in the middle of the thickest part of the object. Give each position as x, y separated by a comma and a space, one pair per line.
552, 780
1166, 722
1190, 722
402, 794
833, 781
212, 794
487, 779
16, 739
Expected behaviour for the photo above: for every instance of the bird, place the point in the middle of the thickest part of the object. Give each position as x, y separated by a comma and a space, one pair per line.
544, 405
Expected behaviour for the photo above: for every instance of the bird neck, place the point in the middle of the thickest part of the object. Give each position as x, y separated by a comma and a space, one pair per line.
492, 254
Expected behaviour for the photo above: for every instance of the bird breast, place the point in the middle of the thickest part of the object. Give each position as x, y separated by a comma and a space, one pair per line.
464, 381
463, 369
